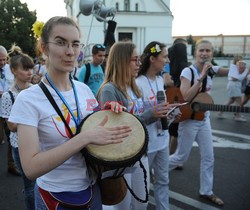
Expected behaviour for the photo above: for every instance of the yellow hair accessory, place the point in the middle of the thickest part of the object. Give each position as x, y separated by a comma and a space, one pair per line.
155, 49
37, 28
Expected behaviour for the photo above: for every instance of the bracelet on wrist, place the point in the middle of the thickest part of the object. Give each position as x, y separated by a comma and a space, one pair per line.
199, 80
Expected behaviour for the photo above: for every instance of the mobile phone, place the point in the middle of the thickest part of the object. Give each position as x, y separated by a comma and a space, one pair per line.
175, 107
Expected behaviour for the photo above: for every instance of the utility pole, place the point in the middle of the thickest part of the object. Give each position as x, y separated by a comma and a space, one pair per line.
104, 22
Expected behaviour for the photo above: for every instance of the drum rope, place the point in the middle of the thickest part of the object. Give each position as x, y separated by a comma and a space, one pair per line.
145, 181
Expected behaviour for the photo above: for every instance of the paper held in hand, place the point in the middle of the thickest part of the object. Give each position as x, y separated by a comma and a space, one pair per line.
174, 112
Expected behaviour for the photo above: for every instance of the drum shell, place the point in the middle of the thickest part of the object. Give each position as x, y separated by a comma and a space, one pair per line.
113, 190
100, 165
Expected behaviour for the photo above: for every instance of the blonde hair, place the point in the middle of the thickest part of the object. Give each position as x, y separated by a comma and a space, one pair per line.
118, 68
199, 42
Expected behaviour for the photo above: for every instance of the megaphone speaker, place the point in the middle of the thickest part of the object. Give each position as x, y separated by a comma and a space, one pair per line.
86, 6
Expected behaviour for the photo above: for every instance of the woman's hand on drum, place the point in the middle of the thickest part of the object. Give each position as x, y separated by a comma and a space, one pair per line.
108, 135
114, 106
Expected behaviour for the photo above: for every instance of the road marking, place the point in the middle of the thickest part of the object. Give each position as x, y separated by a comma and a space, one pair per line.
226, 143
183, 199
225, 133
190, 201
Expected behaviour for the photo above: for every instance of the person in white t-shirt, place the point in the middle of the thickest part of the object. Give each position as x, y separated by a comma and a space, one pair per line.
149, 81
49, 148
192, 80
237, 73
119, 85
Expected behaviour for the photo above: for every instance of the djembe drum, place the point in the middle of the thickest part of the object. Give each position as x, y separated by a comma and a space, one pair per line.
115, 158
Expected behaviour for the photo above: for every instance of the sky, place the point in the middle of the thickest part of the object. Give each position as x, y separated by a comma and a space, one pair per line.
195, 17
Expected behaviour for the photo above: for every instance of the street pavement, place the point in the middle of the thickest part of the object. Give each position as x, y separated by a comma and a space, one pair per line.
231, 173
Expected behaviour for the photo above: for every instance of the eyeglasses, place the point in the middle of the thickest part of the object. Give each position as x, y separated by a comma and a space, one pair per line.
136, 59
65, 45
100, 46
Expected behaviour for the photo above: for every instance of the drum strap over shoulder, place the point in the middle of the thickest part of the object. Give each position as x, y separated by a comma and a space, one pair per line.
53, 103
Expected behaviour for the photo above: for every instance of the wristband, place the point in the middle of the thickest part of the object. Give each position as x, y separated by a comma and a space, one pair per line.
199, 80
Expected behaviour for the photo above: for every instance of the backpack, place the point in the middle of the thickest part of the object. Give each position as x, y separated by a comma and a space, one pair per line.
74, 74
204, 82
88, 69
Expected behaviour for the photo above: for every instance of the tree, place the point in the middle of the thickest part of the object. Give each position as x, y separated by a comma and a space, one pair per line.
191, 41
16, 24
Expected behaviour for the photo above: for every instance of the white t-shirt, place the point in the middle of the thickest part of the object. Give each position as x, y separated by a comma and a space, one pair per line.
135, 105
234, 73
158, 138
188, 75
186, 72
34, 109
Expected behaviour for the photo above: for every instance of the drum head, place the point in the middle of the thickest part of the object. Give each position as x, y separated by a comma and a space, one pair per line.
115, 154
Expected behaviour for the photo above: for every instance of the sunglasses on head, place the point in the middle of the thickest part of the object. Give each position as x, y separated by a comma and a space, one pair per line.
100, 46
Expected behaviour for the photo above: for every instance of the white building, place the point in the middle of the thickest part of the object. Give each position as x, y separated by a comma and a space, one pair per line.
142, 21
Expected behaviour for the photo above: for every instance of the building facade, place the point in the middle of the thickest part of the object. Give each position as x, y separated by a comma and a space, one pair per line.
227, 44
142, 21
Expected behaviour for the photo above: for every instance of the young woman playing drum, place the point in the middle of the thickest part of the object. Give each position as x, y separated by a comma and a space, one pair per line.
154, 58
48, 145
119, 85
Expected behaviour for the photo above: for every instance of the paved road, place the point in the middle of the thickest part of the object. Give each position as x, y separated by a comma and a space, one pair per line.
232, 168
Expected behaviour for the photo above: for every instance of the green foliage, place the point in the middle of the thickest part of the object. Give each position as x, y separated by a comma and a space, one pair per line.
191, 41
16, 24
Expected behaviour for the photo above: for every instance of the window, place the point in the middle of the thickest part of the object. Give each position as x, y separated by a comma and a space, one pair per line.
136, 7
126, 5
123, 36
117, 6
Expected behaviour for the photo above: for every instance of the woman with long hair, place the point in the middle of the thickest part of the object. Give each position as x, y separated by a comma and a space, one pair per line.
154, 58
119, 85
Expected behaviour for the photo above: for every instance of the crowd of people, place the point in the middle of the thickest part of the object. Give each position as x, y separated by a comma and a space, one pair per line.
43, 105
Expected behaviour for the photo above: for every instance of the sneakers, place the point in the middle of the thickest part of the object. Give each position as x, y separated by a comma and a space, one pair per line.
179, 167
214, 199
240, 118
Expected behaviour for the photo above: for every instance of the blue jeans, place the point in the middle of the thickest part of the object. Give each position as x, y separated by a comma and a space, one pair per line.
28, 184
96, 202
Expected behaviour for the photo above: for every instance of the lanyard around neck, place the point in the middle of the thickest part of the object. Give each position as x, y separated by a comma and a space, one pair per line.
152, 87
76, 120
